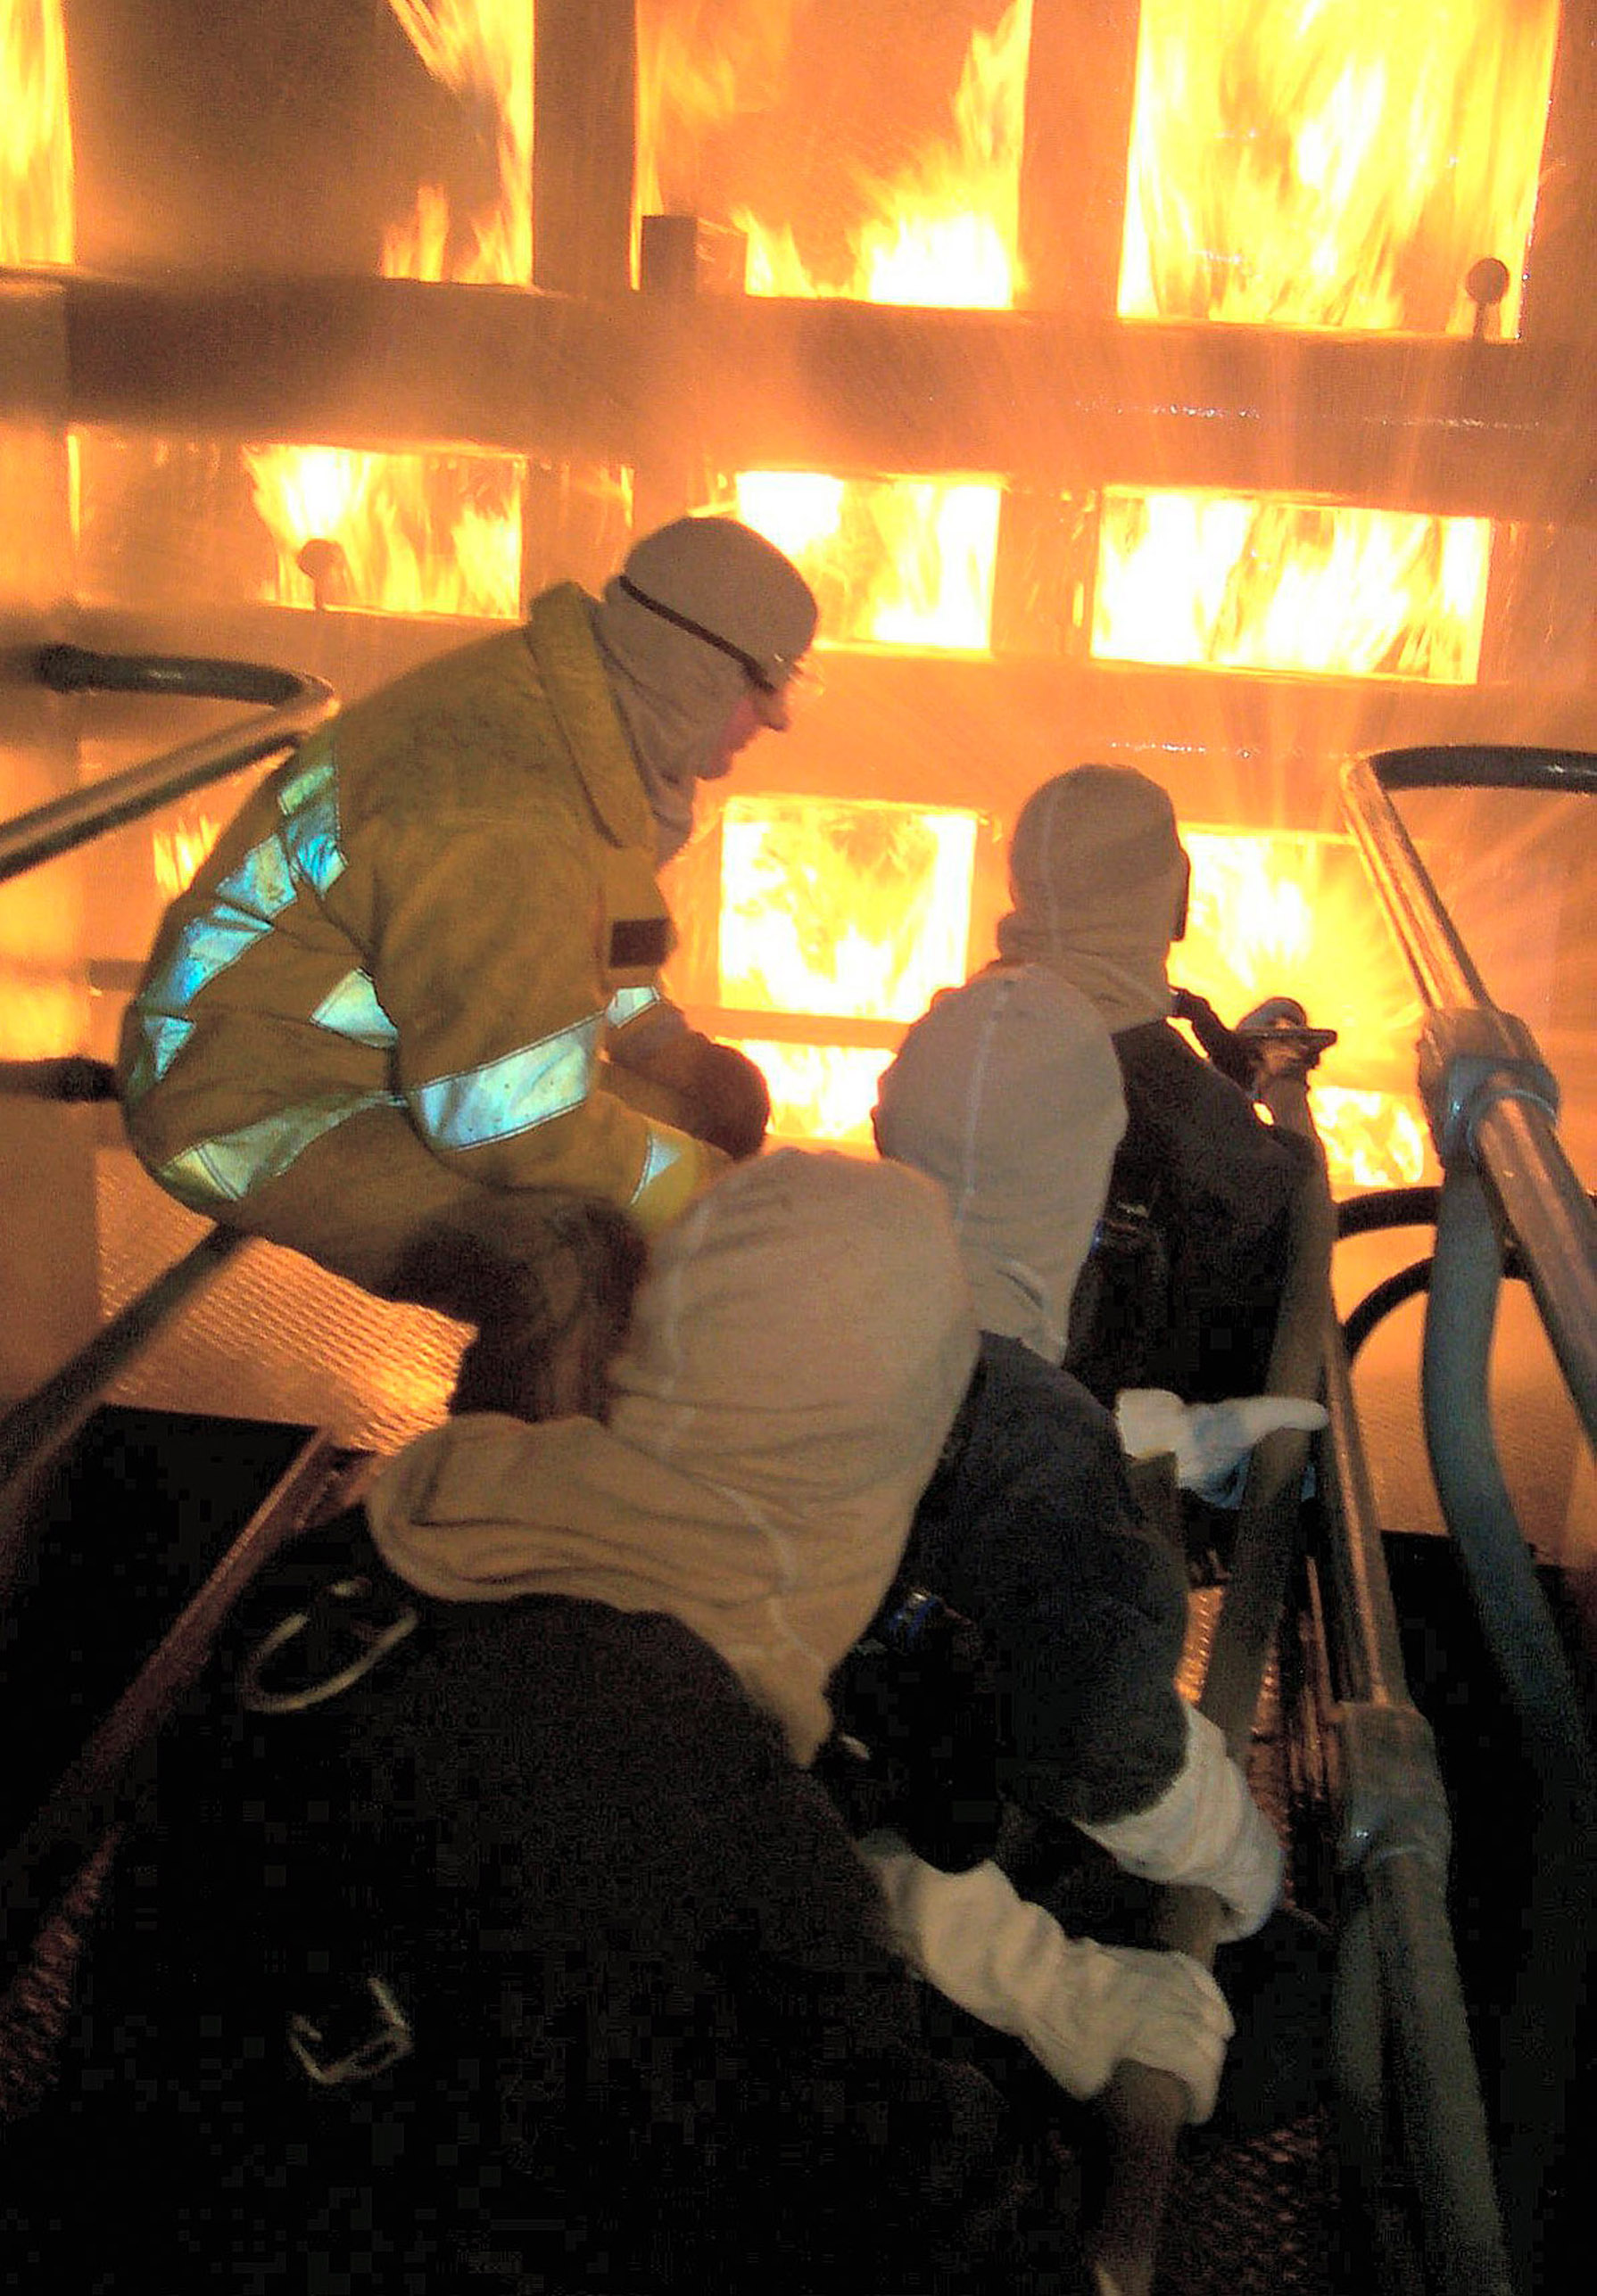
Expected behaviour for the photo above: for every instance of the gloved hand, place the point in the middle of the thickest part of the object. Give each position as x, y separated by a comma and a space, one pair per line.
1080, 2008
1206, 1830
730, 1099
1211, 1440
711, 1090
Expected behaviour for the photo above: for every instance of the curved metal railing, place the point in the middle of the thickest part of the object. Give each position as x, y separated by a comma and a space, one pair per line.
1507, 1189
294, 705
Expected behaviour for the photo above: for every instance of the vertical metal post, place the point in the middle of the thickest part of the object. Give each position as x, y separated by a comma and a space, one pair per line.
584, 88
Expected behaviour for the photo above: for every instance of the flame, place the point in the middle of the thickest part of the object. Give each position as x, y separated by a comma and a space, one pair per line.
820, 1092
410, 533
899, 562
895, 561
840, 906
1229, 582
175, 853
909, 562
1325, 163
850, 911
1279, 914
36, 216
1371, 1139
481, 51
944, 233
692, 79
424, 533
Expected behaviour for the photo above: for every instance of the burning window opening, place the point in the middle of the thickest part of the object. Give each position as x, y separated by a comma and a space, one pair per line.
411, 533
904, 561
1229, 582
399, 534
855, 908
820, 1092
1339, 165
38, 218
942, 231
856, 912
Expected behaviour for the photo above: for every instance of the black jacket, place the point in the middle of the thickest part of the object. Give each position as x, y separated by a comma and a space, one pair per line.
651, 2038
1207, 1185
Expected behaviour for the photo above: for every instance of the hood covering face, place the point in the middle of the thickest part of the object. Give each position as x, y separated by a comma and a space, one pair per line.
1007, 1092
673, 690
1097, 873
798, 1353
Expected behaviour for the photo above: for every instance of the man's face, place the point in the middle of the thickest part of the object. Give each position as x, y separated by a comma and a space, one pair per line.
752, 712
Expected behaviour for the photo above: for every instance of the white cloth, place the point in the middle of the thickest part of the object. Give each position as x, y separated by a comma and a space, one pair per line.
798, 1352
1209, 1441
1205, 1831
1007, 1092
1079, 2007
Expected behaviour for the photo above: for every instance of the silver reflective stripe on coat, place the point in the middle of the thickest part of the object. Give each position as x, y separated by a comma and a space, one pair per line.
350, 1009
224, 1170
661, 1155
305, 853
512, 1094
627, 1004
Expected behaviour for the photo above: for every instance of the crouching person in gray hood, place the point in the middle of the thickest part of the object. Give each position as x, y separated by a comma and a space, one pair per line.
480, 1925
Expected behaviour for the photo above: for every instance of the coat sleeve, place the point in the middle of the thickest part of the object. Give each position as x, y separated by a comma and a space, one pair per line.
486, 960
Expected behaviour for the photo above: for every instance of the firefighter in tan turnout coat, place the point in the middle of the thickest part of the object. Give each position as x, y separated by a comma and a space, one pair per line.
417, 980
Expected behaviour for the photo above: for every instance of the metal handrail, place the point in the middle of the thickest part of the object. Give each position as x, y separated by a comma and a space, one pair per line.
296, 704
1507, 1185
1510, 1136
1146, 2109
1397, 1971
41, 1423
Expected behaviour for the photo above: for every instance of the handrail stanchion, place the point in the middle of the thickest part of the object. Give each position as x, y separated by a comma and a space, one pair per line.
1145, 2109
1394, 1844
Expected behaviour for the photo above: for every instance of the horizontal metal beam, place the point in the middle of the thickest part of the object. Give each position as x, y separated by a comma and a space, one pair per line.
1505, 430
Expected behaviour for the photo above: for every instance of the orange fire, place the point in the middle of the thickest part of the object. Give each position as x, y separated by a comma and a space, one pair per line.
1337, 165
857, 913
424, 533
1275, 915
896, 561
1228, 581
852, 912
37, 218
177, 851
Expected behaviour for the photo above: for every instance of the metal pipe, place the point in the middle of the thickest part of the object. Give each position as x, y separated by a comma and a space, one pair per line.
1268, 1521
1511, 1139
1395, 1833
296, 705
1370, 1647
1553, 1225
1144, 2109
37, 1427
1443, 2120
39, 1866
1435, 956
